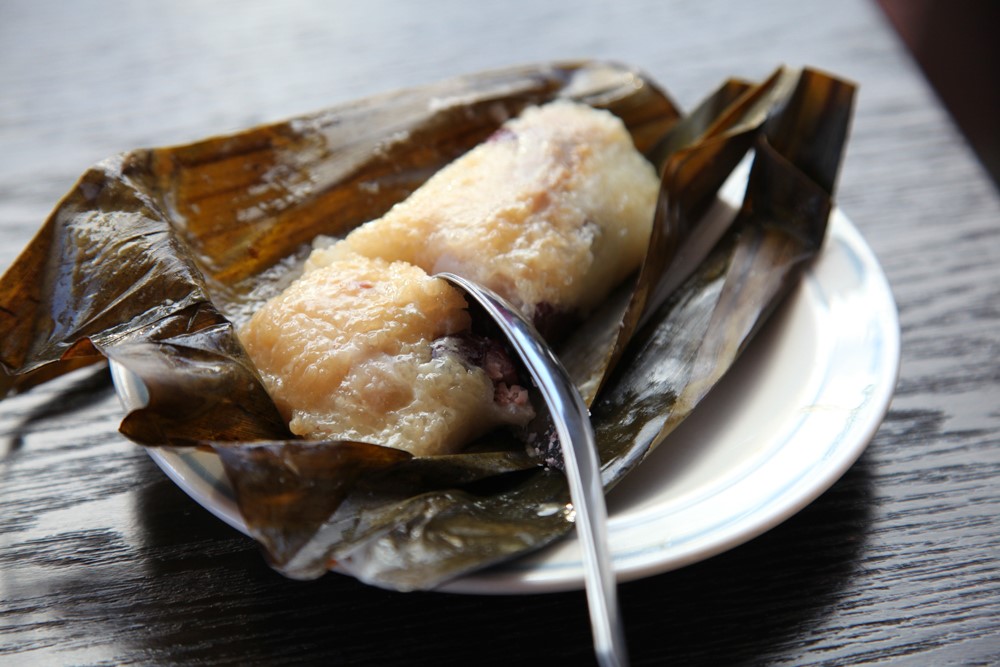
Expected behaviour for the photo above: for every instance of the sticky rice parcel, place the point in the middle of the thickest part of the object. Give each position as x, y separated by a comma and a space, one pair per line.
552, 212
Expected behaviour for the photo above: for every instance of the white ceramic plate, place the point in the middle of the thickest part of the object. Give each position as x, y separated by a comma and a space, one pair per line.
787, 421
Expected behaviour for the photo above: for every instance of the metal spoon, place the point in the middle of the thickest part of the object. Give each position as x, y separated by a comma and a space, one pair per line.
576, 438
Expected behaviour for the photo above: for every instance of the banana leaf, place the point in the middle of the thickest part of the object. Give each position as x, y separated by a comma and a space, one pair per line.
156, 255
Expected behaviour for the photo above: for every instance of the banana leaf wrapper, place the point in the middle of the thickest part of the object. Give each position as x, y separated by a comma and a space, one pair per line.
156, 255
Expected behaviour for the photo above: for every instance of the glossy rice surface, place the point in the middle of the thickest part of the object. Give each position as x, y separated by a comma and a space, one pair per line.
555, 209
346, 354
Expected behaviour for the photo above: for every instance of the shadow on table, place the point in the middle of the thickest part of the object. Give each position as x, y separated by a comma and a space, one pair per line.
209, 598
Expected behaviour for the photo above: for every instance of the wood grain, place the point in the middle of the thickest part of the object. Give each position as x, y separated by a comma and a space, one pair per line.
104, 561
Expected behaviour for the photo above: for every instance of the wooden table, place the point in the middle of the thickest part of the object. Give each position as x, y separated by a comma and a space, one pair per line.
105, 561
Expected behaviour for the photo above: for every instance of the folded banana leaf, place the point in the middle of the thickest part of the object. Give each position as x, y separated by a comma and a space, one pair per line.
156, 255
694, 159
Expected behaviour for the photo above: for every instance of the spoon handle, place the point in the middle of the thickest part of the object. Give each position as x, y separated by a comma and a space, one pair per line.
576, 438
